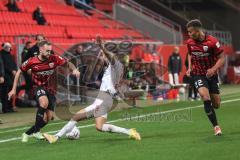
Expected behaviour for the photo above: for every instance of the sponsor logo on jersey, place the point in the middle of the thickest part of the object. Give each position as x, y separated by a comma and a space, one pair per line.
200, 54
44, 73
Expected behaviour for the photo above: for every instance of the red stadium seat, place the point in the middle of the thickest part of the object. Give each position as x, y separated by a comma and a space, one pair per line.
65, 24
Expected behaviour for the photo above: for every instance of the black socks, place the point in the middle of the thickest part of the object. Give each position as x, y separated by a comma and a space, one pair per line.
210, 112
39, 123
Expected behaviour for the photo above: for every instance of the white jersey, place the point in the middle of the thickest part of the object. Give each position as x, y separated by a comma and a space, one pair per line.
111, 77
104, 103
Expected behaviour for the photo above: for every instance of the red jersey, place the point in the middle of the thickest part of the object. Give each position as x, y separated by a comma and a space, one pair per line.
42, 70
204, 54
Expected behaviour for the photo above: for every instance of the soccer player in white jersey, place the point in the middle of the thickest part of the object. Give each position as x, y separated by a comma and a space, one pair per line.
103, 104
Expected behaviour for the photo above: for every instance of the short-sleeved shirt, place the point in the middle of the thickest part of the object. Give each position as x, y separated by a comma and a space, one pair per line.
204, 54
42, 70
112, 77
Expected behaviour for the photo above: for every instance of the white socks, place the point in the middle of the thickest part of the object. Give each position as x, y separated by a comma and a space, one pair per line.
115, 129
105, 128
67, 128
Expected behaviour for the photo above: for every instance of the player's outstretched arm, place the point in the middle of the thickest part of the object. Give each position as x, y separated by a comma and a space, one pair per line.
74, 70
14, 88
110, 56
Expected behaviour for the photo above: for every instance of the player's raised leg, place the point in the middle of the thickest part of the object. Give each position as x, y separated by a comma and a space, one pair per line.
102, 126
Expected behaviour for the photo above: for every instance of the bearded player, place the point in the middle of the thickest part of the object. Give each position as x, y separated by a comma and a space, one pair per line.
104, 102
205, 58
42, 67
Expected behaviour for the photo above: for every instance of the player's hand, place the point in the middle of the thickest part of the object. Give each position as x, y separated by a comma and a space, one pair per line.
1, 80
99, 41
14, 72
76, 73
210, 72
188, 73
11, 94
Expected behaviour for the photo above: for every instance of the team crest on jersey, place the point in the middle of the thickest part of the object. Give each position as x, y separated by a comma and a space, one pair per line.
205, 48
51, 65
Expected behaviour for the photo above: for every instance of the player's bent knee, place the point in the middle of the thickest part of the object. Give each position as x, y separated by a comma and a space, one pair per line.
45, 118
216, 105
79, 116
99, 128
75, 118
43, 104
49, 118
205, 98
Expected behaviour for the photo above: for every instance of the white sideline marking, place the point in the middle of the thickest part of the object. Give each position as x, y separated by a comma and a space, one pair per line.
122, 119
24, 128
61, 122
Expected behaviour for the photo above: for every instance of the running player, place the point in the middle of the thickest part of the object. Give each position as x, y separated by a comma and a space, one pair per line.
104, 102
205, 58
42, 67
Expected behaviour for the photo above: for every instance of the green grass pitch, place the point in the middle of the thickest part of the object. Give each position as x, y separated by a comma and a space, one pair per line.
177, 133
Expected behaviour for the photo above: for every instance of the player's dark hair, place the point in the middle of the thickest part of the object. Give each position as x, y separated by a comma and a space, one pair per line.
27, 43
42, 43
196, 23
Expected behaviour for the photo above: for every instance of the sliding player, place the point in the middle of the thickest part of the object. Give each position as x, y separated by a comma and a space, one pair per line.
103, 104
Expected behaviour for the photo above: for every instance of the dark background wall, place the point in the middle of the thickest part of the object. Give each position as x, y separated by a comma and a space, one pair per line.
211, 12
148, 26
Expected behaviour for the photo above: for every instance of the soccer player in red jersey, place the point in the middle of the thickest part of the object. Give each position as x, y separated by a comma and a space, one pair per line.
42, 67
205, 58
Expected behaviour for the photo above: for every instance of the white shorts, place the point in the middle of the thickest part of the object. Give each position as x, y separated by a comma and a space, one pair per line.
101, 106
